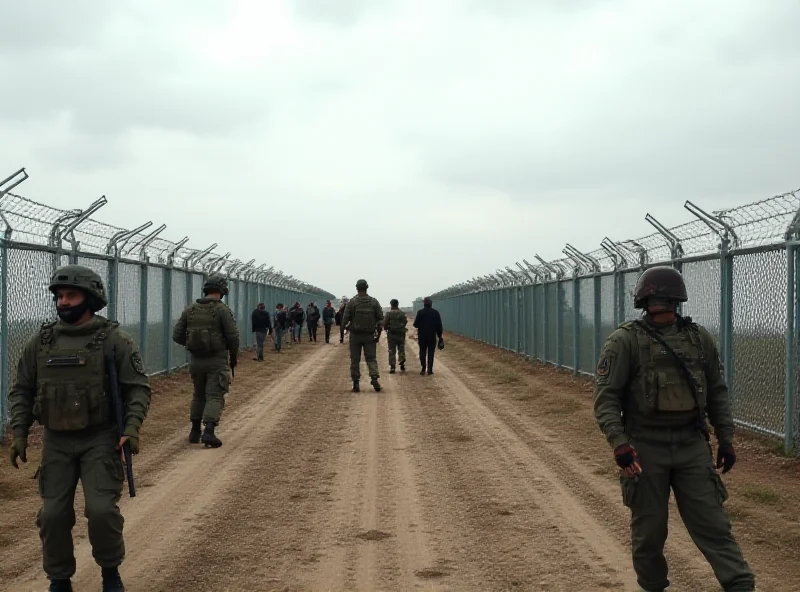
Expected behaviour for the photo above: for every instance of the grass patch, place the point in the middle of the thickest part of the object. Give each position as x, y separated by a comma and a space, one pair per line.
778, 449
737, 512
761, 494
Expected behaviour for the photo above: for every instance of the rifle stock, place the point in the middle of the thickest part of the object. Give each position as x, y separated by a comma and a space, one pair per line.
119, 413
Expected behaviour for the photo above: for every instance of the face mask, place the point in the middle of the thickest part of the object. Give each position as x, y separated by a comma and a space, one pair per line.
72, 314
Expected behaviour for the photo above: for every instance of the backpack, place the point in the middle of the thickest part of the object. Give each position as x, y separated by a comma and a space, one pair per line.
395, 321
363, 315
203, 331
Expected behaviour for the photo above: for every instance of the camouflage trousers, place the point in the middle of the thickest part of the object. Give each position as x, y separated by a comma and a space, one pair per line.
91, 457
680, 460
365, 341
397, 348
212, 381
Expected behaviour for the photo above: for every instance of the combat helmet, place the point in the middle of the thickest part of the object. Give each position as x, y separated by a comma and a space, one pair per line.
84, 279
660, 282
216, 282
362, 285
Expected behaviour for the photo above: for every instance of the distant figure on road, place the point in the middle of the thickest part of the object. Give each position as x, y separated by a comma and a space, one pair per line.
363, 317
261, 327
312, 320
339, 316
281, 323
396, 323
657, 380
428, 323
328, 317
209, 332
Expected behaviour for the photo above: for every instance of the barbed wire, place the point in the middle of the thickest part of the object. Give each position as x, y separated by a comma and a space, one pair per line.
762, 223
28, 222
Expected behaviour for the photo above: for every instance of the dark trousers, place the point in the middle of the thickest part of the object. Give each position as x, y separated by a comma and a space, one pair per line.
312, 331
341, 332
327, 332
427, 349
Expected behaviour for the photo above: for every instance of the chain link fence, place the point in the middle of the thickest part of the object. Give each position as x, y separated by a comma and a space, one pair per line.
149, 280
742, 272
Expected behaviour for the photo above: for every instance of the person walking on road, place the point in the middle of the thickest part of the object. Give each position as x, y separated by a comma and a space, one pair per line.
208, 331
312, 320
428, 323
328, 317
659, 380
339, 318
363, 317
281, 320
62, 383
262, 326
297, 315
396, 323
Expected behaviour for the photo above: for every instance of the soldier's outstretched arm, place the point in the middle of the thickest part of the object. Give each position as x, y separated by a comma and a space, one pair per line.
718, 405
378, 311
347, 316
611, 382
179, 330
23, 391
133, 381
231, 331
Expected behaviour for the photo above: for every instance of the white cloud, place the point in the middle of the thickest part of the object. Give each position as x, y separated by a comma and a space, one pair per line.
430, 142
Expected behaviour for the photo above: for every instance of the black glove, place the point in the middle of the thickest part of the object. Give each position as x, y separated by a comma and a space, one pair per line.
441, 343
627, 459
726, 457
233, 360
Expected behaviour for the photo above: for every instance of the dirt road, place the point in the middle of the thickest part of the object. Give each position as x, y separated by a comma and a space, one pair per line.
471, 479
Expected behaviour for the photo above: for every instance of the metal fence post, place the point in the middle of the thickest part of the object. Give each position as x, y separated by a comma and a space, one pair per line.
4, 353
791, 343
726, 314
143, 328
167, 316
576, 328
559, 325
547, 323
113, 288
598, 317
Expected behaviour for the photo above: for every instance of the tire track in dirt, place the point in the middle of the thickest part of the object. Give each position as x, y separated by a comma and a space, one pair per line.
159, 525
600, 497
503, 512
376, 537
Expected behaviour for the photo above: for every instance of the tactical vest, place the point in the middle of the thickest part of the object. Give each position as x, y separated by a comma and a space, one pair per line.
664, 386
204, 334
394, 321
71, 383
363, 320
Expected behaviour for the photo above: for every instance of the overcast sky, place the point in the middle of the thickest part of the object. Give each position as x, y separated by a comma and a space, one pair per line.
412, 143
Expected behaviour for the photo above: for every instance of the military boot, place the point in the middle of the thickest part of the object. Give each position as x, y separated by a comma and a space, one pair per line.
356, 388
194, 434
208, 438
111, 580
375, 384
60, 586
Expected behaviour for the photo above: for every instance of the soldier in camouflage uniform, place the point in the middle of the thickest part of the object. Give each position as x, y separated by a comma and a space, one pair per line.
363, 317
658, 379
395, 323
209, 332
62, 383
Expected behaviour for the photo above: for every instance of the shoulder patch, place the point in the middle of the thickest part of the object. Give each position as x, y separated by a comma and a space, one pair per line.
603, 366
138, 363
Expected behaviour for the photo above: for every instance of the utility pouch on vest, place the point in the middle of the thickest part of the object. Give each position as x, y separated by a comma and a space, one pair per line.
203, 336
363, 318
71, 391
665, 383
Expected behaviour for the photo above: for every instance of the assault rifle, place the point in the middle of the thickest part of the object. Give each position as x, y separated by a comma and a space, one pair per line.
119, 411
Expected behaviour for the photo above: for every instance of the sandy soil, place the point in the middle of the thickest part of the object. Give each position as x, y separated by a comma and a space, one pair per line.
489, 475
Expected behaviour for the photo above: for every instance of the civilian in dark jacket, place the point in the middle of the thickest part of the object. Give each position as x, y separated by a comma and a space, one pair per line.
261, 326
428, 323
312, 320
328, 317
297, 315
281, 322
